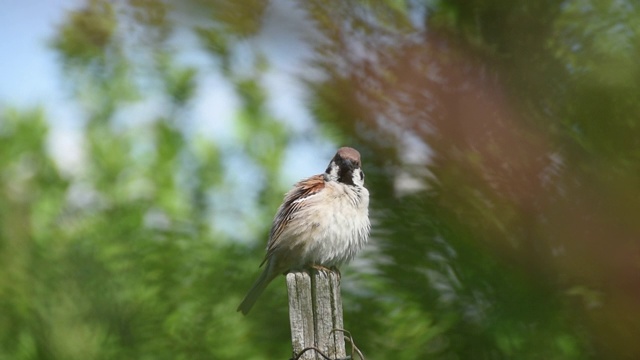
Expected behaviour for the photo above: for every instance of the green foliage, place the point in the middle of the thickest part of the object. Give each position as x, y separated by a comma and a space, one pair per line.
520, 240
119, 261
87, 33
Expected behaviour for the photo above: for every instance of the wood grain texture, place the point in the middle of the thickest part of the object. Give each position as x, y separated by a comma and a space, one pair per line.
315, 310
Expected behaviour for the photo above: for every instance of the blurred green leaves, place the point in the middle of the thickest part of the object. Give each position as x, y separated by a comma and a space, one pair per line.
120, 259
519, 242
601, 47
87, 33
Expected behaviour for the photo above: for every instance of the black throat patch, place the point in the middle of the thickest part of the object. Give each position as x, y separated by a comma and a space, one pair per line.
345, 171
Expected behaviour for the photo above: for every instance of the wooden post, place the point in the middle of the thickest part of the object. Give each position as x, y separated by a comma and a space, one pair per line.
315, 310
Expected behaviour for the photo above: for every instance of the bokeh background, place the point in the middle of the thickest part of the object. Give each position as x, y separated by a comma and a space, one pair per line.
145, 146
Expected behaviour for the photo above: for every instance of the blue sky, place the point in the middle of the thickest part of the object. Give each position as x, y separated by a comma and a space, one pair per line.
31, 76
27, 68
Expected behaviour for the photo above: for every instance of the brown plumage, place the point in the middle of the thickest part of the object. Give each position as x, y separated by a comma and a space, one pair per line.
323, 220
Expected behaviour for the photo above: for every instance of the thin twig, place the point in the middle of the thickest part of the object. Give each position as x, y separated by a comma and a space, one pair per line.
297, 357
353, 344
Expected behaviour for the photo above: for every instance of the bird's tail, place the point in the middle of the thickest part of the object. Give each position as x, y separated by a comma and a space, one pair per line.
257, 289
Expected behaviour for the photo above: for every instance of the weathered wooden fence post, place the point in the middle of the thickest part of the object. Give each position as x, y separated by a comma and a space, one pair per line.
315, 310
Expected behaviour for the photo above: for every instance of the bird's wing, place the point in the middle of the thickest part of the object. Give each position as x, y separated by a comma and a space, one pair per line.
293, 201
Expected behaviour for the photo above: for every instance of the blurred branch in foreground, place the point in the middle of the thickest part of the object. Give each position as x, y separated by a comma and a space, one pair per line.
500, 140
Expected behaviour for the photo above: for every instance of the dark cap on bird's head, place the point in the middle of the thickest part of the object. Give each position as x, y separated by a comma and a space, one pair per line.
347, 154
344, 165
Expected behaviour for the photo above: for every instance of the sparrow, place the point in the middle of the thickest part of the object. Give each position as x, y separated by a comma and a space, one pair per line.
322, 223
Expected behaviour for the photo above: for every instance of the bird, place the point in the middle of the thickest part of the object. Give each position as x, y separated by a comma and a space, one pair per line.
323, 222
